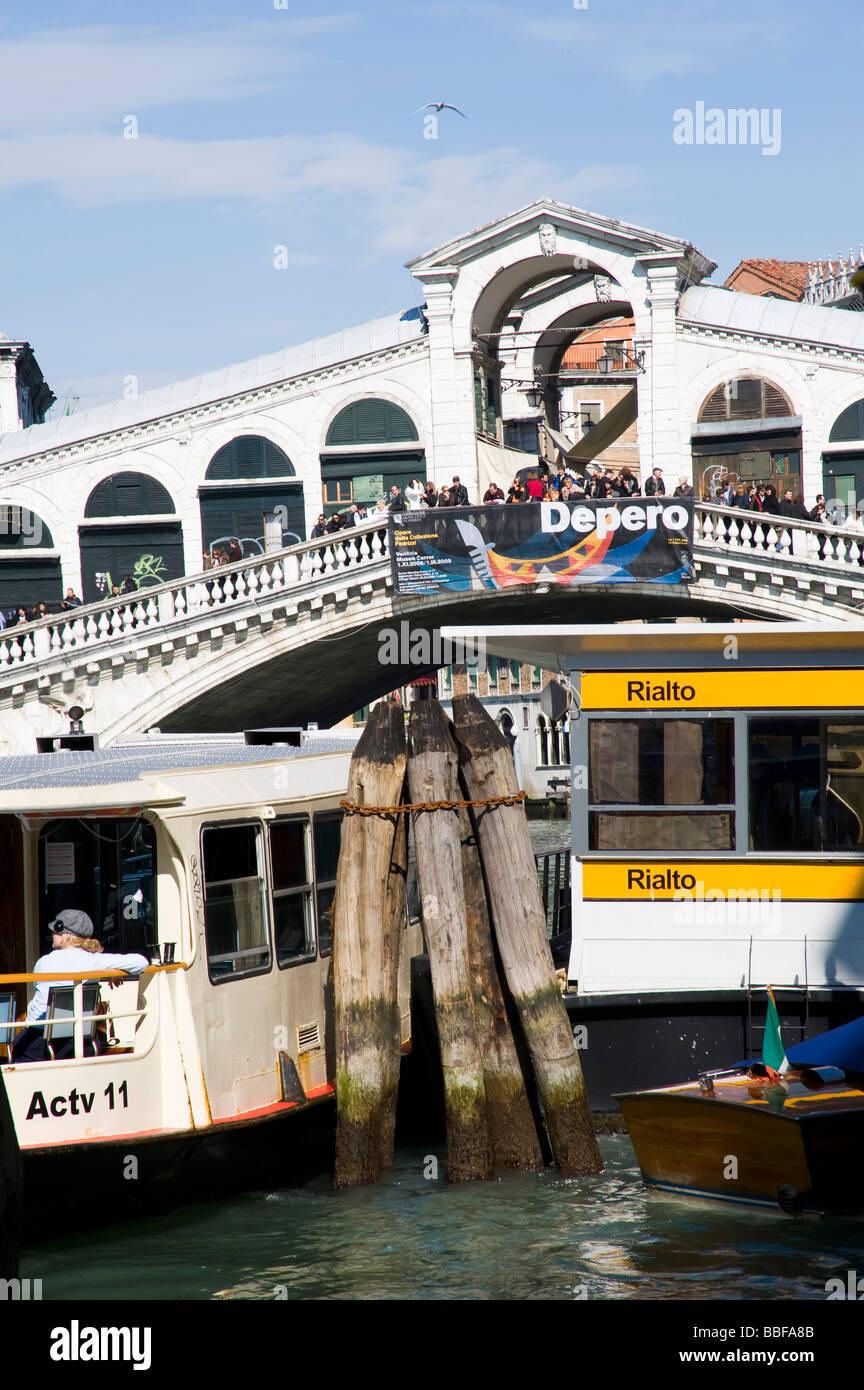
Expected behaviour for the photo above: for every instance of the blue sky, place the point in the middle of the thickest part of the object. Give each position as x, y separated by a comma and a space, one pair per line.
261, 127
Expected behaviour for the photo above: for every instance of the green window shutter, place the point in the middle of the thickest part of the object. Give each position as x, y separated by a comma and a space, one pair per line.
249, 456
129, 494
371, 422
478, 403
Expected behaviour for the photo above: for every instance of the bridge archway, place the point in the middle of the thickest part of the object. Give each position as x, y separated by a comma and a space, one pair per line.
371, 444
246, 477
131, 536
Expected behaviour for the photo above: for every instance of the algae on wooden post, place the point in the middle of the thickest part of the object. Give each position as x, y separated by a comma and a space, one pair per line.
366, 942
519, 922
511, 1124
432, 776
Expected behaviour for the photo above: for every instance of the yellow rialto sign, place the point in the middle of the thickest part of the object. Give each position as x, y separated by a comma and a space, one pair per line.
729, 881
654, 691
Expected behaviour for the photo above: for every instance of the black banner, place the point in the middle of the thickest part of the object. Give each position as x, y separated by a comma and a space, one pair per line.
634, 540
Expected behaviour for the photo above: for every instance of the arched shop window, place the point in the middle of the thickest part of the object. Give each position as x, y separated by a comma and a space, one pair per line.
248, 478
249, 456
369, 432
371, 422
764, 448
745, 398
128, 494
125, 541
27, 575
849, 425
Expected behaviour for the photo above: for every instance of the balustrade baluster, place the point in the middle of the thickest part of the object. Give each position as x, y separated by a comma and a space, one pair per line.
5, 654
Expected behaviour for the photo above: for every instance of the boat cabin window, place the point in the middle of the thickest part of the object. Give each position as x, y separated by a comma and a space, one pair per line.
107, 867
806, 783
235, 918
327, 830
292, 890
661, 784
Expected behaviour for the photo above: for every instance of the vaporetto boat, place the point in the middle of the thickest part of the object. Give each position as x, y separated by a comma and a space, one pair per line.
216, 859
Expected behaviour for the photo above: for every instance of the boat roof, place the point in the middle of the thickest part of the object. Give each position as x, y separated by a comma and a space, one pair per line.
194, 772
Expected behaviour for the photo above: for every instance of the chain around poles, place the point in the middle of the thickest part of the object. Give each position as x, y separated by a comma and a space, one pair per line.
352, 809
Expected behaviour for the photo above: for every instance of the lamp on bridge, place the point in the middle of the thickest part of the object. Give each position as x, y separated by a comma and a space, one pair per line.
535, 392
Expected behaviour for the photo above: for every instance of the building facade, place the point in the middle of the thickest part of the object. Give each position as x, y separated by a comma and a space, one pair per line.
706, 381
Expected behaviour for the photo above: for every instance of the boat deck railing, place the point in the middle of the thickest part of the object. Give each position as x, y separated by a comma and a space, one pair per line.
78, 1017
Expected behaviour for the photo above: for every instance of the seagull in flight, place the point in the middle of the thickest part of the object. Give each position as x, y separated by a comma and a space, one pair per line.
440, 106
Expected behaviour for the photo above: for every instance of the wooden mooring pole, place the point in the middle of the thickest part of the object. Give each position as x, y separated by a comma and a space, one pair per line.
520, 929
432, 776
367, 929
511, 1124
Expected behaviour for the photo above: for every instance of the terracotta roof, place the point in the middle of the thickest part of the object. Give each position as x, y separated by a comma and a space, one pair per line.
792, 275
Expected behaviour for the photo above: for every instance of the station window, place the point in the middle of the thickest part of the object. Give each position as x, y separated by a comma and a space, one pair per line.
661, 784
291, 881
806, 783
234, 916
327, 833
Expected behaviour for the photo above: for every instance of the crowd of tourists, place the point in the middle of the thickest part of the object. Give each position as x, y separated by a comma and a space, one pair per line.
539, 484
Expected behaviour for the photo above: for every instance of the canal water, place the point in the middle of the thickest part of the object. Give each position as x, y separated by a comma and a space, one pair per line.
414, 1236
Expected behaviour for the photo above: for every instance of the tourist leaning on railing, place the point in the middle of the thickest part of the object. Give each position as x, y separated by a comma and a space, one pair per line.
74, 948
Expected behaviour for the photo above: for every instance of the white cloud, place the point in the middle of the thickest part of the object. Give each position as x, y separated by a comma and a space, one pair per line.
441, 197
642, 43
85, 77
90, 168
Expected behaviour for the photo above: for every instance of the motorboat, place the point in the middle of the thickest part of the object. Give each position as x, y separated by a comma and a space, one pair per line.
750, 1134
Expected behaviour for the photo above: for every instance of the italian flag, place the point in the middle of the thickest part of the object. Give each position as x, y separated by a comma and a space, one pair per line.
773, 1051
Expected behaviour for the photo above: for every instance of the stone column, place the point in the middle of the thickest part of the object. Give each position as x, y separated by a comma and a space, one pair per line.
659, 433
451, 387
9, 417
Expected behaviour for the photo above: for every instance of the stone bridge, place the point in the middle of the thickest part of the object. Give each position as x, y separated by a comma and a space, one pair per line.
295, 635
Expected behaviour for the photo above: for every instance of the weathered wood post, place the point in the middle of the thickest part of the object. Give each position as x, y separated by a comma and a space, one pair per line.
511, 1124
520, 930
432, 776
366, 943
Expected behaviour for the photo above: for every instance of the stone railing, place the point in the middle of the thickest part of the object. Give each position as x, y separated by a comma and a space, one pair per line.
201, 601
213, 592
780, 538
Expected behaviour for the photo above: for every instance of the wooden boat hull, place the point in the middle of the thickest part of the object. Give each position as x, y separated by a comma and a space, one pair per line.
751, 1144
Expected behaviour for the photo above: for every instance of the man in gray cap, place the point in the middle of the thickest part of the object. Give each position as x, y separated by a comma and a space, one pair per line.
76, 949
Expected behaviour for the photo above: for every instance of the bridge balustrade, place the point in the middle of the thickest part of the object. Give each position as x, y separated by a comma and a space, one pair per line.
789, 538
718, 531
214, 590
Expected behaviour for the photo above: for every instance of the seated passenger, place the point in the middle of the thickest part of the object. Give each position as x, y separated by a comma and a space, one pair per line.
74, 948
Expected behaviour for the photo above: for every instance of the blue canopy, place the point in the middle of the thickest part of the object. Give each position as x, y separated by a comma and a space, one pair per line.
841, 1047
